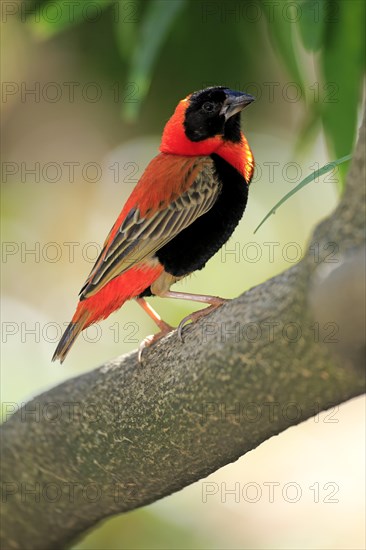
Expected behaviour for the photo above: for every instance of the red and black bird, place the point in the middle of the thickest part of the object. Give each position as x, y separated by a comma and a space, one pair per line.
184, 208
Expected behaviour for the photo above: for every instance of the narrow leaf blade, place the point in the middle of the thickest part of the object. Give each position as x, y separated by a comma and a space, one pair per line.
311, 177
157, 22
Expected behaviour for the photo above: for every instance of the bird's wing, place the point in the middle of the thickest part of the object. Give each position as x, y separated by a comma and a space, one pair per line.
145, 229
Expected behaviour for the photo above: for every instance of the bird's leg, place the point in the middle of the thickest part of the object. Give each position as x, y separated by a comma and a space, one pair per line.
164, 327
154, 315
213, 301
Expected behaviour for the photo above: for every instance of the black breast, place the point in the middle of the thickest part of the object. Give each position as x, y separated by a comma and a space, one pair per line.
196, 244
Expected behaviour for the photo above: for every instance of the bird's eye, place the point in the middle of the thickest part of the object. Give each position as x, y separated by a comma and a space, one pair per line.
208, 107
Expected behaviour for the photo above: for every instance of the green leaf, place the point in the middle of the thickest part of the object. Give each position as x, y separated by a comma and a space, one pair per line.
308, 132
281, 25
56, 16
126, 28
311, 177
157, 21
312, 23
343, 69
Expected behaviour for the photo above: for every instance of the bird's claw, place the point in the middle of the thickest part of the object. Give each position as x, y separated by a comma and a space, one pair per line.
165, 328
146, 342
196, 315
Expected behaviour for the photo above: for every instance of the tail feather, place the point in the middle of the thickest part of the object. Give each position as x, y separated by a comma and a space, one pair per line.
68, 338
110, 297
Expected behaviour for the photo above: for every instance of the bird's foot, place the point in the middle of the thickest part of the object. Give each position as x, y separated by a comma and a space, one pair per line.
196, 315
149, 340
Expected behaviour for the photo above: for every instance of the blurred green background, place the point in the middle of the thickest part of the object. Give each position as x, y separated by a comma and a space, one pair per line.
86, 90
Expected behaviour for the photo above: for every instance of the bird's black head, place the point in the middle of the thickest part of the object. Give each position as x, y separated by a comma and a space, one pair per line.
215, 111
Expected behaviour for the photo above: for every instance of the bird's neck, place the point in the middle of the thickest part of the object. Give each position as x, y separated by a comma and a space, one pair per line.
239, 155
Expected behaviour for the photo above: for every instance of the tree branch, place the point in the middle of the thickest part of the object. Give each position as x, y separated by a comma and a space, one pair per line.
123, 435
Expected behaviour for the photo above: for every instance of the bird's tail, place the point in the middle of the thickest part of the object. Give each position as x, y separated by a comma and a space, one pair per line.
78, 323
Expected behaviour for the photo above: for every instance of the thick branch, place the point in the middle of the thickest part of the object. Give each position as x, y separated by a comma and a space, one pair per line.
123, 435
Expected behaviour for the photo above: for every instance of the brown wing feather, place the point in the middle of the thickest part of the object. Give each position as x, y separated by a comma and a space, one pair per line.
140, 237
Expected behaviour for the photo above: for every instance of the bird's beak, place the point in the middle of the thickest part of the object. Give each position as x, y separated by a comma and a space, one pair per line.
234, 103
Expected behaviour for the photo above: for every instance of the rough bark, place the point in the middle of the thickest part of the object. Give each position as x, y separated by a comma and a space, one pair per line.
122, 435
